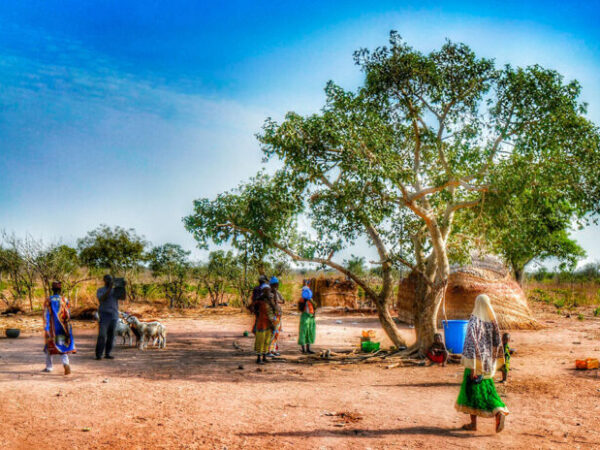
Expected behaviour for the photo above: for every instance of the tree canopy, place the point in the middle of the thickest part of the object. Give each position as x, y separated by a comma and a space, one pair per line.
117, 249
405, 160
170, 261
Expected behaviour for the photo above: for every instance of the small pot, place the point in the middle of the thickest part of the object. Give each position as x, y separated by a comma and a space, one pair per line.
12, 333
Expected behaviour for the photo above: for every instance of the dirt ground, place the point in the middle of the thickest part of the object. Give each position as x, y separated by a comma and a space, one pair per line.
205, 391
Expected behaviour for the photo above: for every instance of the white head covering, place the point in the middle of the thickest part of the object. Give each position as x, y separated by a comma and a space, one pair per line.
483, 309
482, 351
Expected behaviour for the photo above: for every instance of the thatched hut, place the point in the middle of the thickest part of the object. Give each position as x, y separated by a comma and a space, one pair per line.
464, 285
334, 292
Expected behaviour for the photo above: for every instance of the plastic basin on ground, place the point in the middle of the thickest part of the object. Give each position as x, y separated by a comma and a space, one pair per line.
455, 332
369, 347
12, 333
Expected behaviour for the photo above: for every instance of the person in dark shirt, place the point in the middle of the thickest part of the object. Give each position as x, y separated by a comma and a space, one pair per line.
108, 312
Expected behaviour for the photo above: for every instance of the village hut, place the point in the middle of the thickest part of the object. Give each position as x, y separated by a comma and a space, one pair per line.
464, 284
334, 292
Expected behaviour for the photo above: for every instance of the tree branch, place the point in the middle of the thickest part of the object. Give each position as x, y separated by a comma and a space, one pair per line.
299, 258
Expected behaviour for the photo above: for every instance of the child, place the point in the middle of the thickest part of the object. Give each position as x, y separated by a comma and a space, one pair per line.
437, 353
507, 352
308, 327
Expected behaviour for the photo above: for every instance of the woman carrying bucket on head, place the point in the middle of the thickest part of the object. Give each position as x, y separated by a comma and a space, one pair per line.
482, 353
308, 326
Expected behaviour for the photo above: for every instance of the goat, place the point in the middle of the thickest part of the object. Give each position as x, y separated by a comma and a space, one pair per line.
124, 330
133, 329
149, 330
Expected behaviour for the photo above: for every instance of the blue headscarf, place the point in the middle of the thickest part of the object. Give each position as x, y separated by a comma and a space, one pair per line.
306, 293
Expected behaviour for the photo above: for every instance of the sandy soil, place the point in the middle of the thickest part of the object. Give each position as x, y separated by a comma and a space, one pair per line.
203, 392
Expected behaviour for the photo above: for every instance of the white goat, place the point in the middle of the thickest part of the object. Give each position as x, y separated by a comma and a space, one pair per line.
149, 330
124, 330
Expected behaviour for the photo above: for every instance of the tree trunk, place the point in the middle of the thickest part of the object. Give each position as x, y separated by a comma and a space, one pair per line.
387, 322
427, 301
426, 310
519, 275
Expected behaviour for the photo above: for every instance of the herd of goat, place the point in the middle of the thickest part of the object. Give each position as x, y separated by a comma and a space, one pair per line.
129, 326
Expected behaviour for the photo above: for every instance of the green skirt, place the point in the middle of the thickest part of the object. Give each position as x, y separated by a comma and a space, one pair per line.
479, 399
308, 329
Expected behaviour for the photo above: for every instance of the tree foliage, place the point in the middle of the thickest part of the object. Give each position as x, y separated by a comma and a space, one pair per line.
170, 262
218, 274
117, 249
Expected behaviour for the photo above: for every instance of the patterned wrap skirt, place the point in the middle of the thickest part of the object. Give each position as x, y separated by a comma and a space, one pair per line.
262, 339
479, 399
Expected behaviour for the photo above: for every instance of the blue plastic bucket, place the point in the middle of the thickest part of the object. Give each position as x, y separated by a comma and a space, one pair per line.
455, 332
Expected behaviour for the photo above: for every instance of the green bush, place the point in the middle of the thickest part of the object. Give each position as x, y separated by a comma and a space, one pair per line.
559, 303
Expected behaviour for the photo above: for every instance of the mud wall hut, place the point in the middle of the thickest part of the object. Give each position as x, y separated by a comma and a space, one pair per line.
464, 285
334, 292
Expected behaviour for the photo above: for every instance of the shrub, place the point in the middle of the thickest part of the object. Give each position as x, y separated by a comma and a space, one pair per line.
559, 303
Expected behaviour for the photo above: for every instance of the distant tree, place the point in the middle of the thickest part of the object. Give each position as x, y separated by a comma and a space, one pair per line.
356, 264
22, 257
58, 263
398, 163
589, 272
11, 277
117, 250
218, 274
170, 262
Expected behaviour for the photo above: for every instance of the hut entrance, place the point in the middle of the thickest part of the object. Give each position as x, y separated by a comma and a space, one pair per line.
334, 292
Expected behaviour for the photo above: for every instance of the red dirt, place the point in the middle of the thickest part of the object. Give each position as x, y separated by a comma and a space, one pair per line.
193, 395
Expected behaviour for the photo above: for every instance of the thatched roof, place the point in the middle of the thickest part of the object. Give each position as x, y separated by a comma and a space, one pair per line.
464, 285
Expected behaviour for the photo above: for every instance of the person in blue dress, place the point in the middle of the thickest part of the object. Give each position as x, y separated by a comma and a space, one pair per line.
58, 332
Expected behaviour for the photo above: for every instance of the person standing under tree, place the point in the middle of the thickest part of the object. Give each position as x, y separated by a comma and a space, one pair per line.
108, 312
308, 326
58, 332
482, 354
278, 301
263, 326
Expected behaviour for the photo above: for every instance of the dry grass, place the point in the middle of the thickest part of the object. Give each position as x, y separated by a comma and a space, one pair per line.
564, 295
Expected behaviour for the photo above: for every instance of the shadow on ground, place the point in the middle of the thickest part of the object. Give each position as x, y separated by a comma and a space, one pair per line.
367, 433
191, 355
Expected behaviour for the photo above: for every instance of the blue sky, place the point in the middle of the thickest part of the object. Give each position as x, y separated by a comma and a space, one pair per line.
122, 112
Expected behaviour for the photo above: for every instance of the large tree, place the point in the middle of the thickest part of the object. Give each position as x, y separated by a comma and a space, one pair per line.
399, 161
